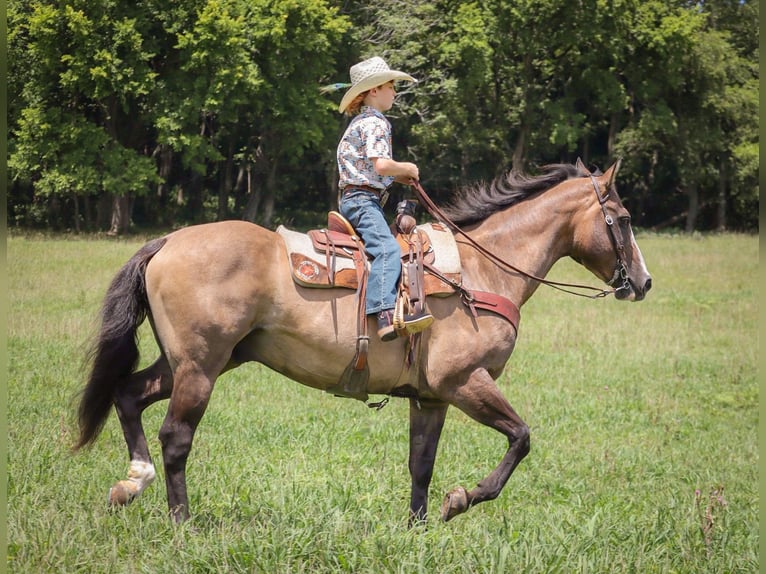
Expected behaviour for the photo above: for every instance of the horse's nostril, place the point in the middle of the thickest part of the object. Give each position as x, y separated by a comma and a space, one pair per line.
648, 285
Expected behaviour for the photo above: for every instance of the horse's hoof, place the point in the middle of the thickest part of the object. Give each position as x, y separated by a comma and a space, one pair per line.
120, 495
456, 502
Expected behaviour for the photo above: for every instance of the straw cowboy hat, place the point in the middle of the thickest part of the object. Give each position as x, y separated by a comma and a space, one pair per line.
367, 75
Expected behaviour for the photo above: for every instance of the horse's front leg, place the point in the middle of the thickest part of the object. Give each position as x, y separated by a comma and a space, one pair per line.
480, 399
426, 422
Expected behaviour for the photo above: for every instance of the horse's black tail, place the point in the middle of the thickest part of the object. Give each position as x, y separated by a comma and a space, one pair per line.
114, 352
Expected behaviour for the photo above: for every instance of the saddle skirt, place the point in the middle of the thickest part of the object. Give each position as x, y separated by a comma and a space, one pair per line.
325, 258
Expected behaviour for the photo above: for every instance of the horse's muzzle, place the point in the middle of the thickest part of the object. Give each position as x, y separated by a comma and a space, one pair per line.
633, 292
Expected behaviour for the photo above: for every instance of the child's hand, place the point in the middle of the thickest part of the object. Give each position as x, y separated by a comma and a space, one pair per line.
411, 171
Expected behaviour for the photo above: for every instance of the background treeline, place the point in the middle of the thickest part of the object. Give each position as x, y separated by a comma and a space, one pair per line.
161, 113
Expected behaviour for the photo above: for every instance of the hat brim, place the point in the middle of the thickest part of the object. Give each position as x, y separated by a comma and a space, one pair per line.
372, 81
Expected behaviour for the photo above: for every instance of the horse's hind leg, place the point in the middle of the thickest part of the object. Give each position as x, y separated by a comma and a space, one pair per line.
480, 399
142, 389
192, 388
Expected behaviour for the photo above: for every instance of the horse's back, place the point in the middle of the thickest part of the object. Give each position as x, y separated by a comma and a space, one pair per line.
236, 238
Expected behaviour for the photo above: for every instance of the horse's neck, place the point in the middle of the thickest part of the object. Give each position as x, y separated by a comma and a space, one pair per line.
531, 236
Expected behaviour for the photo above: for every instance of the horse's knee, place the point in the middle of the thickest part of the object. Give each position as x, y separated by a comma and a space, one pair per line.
520, 440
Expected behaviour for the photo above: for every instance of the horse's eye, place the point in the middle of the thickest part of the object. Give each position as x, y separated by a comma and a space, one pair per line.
625, 219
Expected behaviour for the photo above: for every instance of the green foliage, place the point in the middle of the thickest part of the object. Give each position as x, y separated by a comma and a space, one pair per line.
65, 154
220, 99
639, 414
86, 69
685, 130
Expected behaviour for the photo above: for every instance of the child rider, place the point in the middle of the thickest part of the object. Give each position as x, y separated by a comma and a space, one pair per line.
366, 169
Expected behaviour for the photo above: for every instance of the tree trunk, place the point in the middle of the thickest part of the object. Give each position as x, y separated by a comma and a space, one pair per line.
120, 215
54, 212
253, 197
104, 211
163, 215
226, 184
86, 209
195, 198
721, 211
269, 198
222, 210
76, 213
240, 187
694, 206
519, 150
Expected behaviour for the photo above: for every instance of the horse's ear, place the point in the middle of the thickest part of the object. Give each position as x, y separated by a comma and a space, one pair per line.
611, 173
581, 169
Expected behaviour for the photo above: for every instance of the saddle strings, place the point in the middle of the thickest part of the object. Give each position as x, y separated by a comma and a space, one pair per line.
436, 212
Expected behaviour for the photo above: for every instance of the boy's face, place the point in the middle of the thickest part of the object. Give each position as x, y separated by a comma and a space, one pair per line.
382, 97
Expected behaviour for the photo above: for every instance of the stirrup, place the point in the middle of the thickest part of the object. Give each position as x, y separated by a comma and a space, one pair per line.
410, 323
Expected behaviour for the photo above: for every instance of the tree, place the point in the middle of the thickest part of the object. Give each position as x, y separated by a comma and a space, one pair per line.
296, 43
115, 97
87, 69
691, 104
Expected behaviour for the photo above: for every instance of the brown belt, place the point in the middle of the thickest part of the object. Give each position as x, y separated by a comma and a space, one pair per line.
382, 195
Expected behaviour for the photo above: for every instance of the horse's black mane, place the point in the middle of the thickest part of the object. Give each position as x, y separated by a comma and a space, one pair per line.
477, 202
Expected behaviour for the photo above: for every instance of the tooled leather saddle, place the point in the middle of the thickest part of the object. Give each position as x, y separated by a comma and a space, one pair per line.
334, 257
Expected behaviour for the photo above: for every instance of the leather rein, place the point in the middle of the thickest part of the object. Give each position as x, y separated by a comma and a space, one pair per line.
620, 272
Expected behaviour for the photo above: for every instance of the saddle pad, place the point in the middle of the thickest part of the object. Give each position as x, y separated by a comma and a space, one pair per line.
447, 258
300, 244
309, 267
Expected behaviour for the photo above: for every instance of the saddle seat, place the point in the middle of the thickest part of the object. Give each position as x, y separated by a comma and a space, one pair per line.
336, 222
324, 258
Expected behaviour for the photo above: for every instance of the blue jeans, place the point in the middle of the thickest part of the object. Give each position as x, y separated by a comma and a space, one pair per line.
363, 211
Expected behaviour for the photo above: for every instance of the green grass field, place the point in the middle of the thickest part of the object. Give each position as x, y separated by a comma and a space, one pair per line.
643, 418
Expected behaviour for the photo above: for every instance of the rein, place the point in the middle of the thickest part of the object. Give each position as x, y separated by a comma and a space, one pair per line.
621, 271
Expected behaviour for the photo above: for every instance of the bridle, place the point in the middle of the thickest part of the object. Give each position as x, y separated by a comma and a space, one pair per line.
620, 271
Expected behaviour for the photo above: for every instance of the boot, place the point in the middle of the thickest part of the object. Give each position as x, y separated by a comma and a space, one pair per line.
386, 330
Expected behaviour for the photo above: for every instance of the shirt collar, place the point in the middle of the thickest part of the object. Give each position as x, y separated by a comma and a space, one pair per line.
369, 110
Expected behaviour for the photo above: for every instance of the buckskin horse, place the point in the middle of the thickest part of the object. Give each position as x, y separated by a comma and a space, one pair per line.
218, 295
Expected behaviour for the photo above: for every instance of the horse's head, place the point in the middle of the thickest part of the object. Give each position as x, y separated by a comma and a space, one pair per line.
604, 241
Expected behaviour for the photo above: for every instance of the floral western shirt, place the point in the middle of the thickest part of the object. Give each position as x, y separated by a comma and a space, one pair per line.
368, 135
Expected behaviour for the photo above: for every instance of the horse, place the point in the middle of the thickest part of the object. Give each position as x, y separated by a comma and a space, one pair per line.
218, 295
